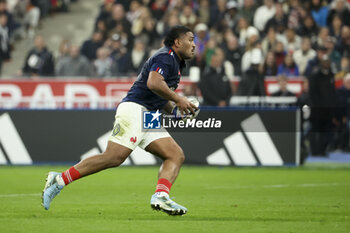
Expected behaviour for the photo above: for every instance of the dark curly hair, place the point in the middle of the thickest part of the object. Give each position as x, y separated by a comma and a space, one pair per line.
175, 33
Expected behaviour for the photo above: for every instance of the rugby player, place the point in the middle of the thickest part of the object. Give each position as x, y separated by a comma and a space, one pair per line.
153, 90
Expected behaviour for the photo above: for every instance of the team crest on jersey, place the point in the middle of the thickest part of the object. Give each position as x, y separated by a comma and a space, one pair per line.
133, 139
116, 129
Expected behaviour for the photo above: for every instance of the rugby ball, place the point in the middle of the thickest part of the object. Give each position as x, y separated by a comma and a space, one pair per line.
176, 112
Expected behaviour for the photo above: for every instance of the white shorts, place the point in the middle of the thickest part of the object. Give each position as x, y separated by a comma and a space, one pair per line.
128, 127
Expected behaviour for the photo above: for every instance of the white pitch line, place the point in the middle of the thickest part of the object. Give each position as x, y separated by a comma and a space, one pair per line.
303, 185
20, 195
276, 186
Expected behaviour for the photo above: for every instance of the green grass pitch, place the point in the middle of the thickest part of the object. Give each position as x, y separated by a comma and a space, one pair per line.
219, 200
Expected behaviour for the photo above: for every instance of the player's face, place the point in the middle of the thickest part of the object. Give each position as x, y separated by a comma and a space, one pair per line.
187, 46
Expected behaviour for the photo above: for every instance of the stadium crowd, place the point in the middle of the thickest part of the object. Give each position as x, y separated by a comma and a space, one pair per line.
20, 19
250, 39
287, 37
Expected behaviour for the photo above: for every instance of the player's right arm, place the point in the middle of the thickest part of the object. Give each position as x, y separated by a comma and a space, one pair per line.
157, 84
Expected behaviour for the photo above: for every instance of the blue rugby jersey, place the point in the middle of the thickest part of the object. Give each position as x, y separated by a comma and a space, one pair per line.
165, 62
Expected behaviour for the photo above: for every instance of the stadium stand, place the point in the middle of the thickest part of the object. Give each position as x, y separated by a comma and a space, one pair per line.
276, 27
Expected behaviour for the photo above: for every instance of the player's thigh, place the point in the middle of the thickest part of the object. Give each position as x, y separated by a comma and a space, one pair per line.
166, 148
127, 126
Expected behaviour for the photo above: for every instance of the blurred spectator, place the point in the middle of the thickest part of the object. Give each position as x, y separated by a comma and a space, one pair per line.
105, 11
31, 19
63, 50
322, 103
188, 18
335, 27
149, 33
170, 19
241, 31
117, 23
214, 84
39, 60
263, 14
116, 16
270, 67
252, 82
75, 65
280, 53
126, 3
201, 39
283, 91
137, 57
333, 54
304, 97
232, 15
28, 15
322, 37
288, 67
304, 55
204, 11
138, 24
102, 27
303, 103
309, 29
319, 12
248, 11
103, 63
11, 24
270, 41
44, 6
159, 8
344, 68
295, 15
233, 53
210, 50
345, 41
279, 22
60, 5
293, 41
90, 46
252, 38
313, 64
134, 11
119, 55
217, 15
339, 8
343, 96
5, 49
178, 5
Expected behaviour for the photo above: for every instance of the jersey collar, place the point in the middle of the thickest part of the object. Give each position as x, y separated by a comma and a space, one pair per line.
180, 62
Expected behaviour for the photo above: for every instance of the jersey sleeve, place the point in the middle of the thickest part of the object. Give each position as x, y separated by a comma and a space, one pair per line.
162, 65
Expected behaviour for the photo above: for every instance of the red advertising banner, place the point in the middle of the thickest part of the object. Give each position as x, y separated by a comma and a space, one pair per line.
88, 93
64, 93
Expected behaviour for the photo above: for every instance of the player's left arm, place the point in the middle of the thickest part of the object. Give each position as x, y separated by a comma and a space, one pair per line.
157, 85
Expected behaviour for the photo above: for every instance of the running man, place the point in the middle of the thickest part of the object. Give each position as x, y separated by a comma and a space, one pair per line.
153, 90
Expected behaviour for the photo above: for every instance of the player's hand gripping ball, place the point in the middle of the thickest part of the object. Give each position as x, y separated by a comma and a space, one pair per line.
177, 114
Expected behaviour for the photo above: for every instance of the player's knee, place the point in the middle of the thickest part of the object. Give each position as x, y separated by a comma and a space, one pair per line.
113, 159
180, 156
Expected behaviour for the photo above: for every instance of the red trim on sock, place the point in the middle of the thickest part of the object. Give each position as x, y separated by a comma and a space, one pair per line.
70, 175
163, 185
